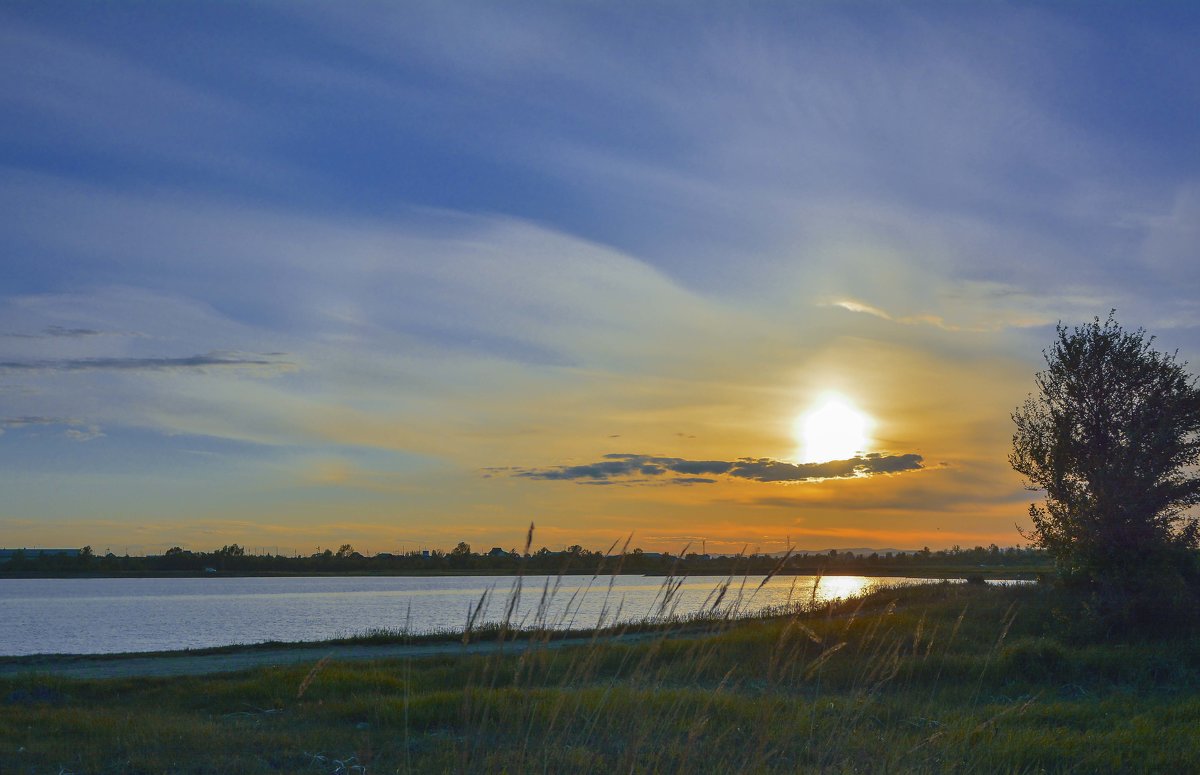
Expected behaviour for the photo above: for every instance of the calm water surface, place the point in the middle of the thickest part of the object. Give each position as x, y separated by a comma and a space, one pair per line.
95, 616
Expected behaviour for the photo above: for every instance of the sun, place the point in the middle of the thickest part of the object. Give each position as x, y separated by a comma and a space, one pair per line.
833, 430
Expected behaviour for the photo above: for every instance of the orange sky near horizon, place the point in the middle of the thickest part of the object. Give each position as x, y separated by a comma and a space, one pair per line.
918, 401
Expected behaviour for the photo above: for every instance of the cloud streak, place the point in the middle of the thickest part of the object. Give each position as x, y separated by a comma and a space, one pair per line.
57, 332
197, 362
73, 333
77, 430
627, 468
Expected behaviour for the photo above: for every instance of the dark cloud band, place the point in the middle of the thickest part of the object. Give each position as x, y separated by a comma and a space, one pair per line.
638, 469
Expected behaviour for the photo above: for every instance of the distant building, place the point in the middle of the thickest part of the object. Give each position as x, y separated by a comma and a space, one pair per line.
497, 552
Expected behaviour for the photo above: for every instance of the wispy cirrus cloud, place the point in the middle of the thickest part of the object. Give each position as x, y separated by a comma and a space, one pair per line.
627, 468
699, 227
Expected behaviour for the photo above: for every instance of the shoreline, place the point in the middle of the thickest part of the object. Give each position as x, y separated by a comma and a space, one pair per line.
230, 659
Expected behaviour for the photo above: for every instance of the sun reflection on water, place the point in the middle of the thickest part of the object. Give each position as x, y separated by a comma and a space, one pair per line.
833, 587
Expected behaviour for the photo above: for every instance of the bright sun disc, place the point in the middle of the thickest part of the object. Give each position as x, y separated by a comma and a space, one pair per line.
834, 430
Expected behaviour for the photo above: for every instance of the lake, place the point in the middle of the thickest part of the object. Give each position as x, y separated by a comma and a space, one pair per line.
112, 615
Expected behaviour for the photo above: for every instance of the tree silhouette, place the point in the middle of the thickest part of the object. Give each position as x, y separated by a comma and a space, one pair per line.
1113, 438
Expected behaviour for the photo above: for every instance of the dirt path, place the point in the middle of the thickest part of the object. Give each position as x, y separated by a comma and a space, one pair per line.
184, 663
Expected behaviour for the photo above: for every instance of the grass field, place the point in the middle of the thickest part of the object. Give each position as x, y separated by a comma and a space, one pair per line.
940, 678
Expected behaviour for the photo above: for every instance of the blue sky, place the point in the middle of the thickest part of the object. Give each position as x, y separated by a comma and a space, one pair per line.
306, 273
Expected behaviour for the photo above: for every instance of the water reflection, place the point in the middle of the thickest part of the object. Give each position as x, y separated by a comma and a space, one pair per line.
46, 616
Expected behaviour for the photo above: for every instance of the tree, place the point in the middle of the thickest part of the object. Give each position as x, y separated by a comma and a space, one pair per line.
1113, 438
460, 555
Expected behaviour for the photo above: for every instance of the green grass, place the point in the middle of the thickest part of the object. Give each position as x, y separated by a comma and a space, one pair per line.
941, 678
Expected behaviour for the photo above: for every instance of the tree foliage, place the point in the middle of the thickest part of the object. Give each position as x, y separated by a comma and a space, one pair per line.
1113, 438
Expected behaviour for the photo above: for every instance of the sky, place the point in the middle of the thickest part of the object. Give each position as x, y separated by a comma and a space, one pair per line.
298, 274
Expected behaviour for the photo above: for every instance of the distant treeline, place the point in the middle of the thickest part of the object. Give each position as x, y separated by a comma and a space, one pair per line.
234, 559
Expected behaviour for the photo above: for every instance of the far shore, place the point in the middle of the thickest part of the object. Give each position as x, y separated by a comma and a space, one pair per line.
960, 573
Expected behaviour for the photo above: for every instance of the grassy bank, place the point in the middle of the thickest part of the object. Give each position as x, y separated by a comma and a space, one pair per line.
940, 678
